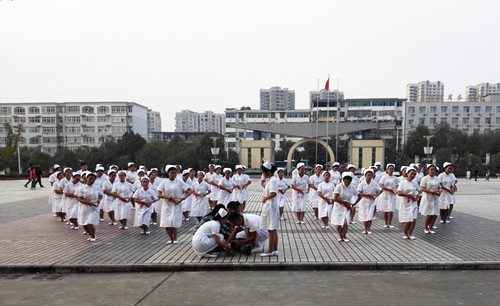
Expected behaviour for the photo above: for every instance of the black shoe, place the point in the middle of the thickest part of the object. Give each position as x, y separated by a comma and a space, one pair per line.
247, 250
25, 186
42, 186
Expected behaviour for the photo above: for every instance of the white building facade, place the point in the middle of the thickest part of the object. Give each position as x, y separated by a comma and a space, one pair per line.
466, 116
425, 91
478, 92
192, 122
277, 98
154, 122
52, 126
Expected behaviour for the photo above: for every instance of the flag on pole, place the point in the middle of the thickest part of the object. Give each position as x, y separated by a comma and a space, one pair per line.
327, 84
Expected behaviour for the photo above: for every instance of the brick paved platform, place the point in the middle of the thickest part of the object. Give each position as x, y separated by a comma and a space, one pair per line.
39, 243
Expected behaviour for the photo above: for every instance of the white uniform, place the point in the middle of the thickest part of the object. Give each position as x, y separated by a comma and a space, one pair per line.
154, 185
108, 202
225, 197
447, 181
241, 195
295, 173
355, 183
340, 214
131, 176
400, 200
142, 212
52, 179
270, 215
203, 240
418, 177
215, 178
187, 203
56, 197
62, 183
325, 209
282, 185
299, 199
378, 177
199, 205
89, 214
99, 181
315, 180
335, 177
453, 200
171, 214
251, 224
429, 205
122, 209
387, 199
71, 202
409, 208
367, 205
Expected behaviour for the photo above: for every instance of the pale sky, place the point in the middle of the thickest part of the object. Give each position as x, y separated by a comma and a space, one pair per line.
209, 55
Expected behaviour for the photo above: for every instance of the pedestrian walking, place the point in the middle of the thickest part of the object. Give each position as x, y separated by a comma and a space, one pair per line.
28, 171
270, 218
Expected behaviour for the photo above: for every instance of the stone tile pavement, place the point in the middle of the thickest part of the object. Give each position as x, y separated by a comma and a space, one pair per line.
33, 240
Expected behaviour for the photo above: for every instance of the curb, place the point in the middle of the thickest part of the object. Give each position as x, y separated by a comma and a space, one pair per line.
188, 267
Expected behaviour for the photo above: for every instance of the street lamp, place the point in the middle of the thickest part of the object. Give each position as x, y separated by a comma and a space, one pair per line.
215, 152
428, 148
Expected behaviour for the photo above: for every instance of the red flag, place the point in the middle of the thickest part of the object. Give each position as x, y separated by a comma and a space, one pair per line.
327, 85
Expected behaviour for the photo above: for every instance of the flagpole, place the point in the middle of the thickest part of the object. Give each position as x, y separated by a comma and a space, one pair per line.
337, 126
317, 117
327, 119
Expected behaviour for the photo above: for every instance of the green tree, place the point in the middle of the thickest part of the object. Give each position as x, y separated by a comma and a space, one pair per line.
152, 155
11, 142
282, 154
67, 158
416, 142
45, 160
130, 144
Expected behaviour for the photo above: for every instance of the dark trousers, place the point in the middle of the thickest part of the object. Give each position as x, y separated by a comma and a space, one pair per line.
39, 181
29, 181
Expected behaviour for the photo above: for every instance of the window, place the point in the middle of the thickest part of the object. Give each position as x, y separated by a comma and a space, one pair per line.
422, 109
374, 155
421, 120
432, 121
103, 130
73, 130
231, 115
497, 121
49, 119
487, 120
465, 120
20, 119
88, 140
73, 120
444, 120
118, 130
87, 110
73, 109
454, 120
48, 109
48, 130
360, 157
19, 111
487, 109
118, 119
118, 109
34, 140
34, 119
73, 140
89, 129
444, 109
477, 109
411, 109
249, 150
34, 110
5, 110
477, 120
433, 109
34, 129
498, 109
410, 122
455, 109
466, 109
103, 110
88, 119
49, 139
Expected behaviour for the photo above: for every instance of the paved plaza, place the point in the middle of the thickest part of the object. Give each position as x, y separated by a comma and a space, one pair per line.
33, 240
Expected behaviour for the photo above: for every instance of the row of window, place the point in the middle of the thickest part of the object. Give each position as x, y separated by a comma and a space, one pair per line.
454, 109
454, 121
19, 110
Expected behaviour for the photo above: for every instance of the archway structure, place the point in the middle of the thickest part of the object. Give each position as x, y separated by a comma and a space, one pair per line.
297, 144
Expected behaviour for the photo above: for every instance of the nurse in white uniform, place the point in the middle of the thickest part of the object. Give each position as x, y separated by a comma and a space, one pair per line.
335, 175
109, 199
314, 182
144, 197
447, 181
429, 204
207, 237
355, 182
208, 179
283, 186
214, 183
123, 192
369, 191
270, 216
57, 195
171, 193
409, 192
226, 186
247, 235
70, 191
299, 185
89, 197
187, 203
201, 190
387, 200
155, 182
342, 197
325, 194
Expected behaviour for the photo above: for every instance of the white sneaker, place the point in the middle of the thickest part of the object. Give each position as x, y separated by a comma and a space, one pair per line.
176, 242
154, 223
267, 254
340, 240
427, 232
391, 226
93, 239
210, 255
363, 232
84, 233
346, 240
432, 232
434, 227
102, 220
447, 221
413, 237
148, 233
441, 221
187, 219
77, 228
370, 233
405, 237
276, 253
169, 242
125, 228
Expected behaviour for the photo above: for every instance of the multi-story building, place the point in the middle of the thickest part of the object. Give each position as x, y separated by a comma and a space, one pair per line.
425, 91
154, 122
233, 135
277, 98
332, 95
463, 115
478, 92
52, 126
189, 121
